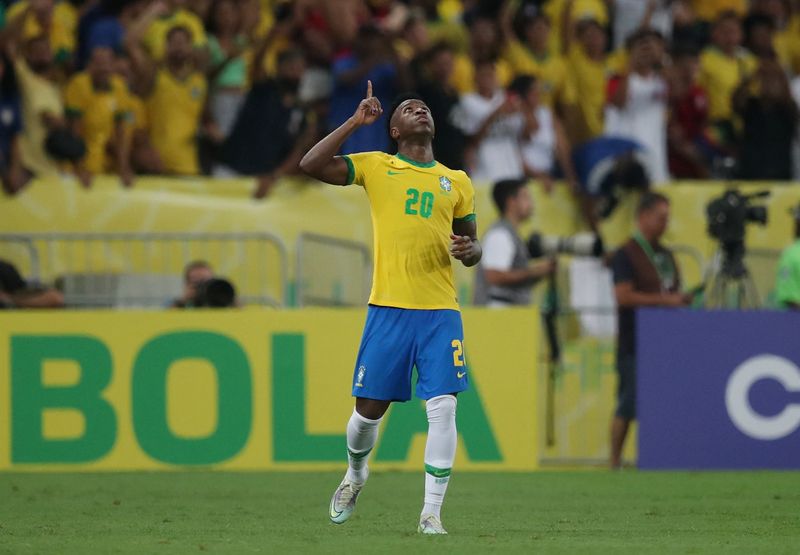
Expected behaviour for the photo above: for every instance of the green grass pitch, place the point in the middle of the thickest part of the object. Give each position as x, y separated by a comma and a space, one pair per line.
545, 512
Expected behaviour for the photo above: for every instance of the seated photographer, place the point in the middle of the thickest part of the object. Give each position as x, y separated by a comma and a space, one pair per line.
505, 274
787, 286
606, 168
15, 292
194, 274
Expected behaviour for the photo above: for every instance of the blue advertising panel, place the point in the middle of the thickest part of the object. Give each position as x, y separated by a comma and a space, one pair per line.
718, 389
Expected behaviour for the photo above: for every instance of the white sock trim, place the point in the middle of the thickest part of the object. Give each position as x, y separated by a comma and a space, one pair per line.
366, 420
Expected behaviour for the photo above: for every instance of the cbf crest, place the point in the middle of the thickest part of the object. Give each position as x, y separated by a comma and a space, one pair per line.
360, 376
445, 184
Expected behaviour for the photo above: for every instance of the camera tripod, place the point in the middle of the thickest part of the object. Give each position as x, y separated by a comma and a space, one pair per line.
731, 285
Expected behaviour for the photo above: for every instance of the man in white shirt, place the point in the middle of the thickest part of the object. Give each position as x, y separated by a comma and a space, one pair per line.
637, 102
505, 274
492, 120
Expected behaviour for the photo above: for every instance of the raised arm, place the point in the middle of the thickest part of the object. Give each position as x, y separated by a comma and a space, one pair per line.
144, 67
321, 161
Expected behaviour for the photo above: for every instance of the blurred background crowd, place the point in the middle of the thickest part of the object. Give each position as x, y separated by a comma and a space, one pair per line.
702, 88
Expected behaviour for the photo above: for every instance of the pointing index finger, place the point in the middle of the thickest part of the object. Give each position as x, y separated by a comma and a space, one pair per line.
369, 89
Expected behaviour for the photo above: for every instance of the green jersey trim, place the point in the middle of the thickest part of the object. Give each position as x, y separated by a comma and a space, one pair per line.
351, 170
415, 163
467, 218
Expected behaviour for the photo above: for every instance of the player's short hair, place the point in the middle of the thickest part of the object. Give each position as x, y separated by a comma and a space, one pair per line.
649, 201
504, 190
398, 100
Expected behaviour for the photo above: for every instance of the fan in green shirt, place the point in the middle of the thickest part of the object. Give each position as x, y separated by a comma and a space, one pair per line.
787, 285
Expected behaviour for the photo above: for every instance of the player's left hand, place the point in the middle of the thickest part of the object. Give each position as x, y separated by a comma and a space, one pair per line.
462, 247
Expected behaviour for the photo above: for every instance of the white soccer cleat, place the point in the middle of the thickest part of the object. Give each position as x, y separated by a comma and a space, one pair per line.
343, 502
430, 524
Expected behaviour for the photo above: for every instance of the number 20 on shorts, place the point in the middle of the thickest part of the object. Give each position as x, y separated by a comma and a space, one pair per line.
458, 352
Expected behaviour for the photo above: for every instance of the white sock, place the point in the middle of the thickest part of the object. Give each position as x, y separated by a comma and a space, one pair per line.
440, 450
362, 433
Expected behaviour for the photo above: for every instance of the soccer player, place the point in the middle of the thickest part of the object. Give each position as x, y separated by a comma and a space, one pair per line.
423, 213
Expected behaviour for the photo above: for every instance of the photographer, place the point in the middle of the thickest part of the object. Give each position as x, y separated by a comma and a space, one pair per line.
194, 275
505, 275
787, 286
15, 292
645, 274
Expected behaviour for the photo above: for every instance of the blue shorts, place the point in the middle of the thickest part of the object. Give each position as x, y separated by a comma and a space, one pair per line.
395, 340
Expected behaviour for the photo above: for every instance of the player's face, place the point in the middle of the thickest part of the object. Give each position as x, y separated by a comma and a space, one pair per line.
412, 117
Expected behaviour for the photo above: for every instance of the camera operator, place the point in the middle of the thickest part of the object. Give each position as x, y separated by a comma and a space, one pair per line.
645, 274
787, 286
194, 275
505, 274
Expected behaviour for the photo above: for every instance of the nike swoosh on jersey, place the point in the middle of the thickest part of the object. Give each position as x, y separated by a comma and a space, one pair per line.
390, 172
460, 375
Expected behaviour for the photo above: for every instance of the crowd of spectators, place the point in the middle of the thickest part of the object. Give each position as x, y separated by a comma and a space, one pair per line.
706, 88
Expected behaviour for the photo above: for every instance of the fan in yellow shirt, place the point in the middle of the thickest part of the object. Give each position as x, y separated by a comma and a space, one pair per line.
588, 72
174, 94
155, 38
724, 65
96, 106
482, 46
574, 11
535, 57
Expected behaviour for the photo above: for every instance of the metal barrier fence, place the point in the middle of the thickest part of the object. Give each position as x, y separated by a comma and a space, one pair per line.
146, 269
331, 271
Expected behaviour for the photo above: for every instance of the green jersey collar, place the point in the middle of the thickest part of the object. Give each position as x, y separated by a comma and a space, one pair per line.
415, 163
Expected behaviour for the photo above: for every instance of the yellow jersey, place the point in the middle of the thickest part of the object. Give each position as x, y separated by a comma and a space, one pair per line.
550, 71
787, 44
174, 108
588, 78
720, 74
155, 38
99, 110
413, 208
39, 96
